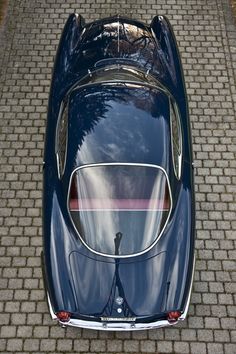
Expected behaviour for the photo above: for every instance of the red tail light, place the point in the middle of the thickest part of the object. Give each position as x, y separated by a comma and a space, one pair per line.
63, 316
173, 316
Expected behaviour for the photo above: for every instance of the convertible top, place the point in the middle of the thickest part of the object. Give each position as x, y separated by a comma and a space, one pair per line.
117, 122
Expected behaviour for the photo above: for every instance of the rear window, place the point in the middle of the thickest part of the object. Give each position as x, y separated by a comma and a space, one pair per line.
119, 210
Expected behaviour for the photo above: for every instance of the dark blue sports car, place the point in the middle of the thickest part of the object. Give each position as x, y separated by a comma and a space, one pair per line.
118, 201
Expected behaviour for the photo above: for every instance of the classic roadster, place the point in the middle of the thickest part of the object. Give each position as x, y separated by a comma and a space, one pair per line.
118, 200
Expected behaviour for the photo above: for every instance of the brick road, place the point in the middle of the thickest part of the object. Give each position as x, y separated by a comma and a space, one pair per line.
206, 33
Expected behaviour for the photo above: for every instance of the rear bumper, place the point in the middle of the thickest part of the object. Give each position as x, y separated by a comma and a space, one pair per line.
113, 326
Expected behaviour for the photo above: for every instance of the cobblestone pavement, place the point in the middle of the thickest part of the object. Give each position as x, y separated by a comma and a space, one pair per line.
207, 36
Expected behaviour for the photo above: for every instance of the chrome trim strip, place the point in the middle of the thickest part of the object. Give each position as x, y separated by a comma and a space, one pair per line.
184, 314
122, 82
106, 209
118, 30
54, 317
121, 164
117, 319
118, 326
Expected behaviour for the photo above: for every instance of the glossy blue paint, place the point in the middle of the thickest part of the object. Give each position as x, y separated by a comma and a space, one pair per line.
78, 280
105, 121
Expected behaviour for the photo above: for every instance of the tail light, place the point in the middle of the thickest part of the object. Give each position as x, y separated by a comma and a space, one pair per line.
173, 316
63, 316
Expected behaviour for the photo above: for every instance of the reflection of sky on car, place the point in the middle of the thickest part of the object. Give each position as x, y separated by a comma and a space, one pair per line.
106, 121
121, 138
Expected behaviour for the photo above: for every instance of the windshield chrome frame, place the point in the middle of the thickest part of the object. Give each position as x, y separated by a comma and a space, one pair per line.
120, 164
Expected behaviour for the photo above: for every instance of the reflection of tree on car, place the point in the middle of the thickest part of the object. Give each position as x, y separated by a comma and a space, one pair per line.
97, 109
102, 42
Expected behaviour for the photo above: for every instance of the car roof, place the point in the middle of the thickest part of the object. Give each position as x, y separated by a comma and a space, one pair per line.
118, 122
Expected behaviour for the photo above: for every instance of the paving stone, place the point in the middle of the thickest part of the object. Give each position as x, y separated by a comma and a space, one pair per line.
215, 348
114, 345
31, 344
98, 345
181, 347
164, 347
14, 345
148, 347
81, 345
197, 348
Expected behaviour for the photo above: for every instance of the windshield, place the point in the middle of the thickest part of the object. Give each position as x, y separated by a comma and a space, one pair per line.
119, 210
119, 73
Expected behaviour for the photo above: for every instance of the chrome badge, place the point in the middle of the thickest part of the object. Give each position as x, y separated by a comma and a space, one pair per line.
119, 300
